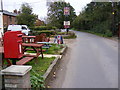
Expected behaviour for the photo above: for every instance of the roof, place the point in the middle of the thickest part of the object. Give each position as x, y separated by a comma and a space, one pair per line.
8, 13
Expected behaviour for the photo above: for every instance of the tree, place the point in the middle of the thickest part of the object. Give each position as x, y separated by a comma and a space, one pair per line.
99, 17
26, 16
56, 15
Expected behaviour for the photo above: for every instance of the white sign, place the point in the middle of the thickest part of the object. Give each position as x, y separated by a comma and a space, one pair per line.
11, 85
1, 24
66, 22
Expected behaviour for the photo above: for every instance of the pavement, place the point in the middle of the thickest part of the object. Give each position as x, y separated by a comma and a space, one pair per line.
90, 62
45, 55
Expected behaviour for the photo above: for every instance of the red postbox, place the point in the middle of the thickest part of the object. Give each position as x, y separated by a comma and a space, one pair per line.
13, 44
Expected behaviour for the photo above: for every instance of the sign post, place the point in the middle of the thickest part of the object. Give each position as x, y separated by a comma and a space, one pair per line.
66, 22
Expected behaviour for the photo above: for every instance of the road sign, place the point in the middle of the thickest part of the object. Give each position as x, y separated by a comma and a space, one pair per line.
66, 11
66, 26
66, 22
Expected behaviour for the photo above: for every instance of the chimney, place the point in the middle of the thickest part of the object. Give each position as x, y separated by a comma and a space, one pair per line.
15, 11
19, 12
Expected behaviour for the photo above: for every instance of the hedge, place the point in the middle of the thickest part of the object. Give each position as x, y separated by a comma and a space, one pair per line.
38, 28
48, 32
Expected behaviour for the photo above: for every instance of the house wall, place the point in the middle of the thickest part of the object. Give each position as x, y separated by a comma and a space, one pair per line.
7, 20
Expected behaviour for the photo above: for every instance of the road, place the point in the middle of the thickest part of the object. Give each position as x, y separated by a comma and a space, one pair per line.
90, 62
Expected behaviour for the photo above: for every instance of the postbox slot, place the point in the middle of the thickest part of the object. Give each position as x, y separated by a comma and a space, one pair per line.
19, 35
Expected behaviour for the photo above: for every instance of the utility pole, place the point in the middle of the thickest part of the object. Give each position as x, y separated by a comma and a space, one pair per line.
1, 32
113, 17
119, 30
1, 20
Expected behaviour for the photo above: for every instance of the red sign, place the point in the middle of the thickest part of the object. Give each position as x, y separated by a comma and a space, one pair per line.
66, 11
66, 26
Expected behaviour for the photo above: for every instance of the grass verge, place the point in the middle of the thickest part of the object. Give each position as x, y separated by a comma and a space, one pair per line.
92, 32
54, 49
41, 66
38, 70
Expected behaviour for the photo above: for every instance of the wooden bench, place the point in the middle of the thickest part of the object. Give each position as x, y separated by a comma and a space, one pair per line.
29, 39
36, 47
24, 60
32, 50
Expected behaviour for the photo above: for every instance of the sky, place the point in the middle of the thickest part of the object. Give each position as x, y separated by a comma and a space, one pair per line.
39, 6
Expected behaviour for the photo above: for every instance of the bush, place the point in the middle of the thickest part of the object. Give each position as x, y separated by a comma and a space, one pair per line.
36, 80
108, 33
40, 28
71, 35
48, 32
61, 33
54, 28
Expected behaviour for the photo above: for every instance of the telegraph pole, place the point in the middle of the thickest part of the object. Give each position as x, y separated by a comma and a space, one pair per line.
1, 32
1, 20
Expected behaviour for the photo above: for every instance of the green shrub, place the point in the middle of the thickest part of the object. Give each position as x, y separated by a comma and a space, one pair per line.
71, 35
54, 28
48, 32
38, 28
108, 33
61, 33
37, 80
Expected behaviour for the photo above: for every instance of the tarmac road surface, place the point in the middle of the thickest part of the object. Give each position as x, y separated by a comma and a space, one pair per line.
90, 62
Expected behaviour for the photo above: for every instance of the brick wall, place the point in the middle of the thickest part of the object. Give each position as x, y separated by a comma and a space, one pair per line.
7, 20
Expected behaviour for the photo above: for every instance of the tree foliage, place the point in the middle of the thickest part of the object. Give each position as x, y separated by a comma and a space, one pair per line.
26, 16
56, 15
99, 17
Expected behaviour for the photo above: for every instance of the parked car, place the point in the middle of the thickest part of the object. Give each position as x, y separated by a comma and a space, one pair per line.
23, 28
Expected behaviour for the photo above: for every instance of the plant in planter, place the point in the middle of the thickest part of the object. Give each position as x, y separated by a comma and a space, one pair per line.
37, 80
